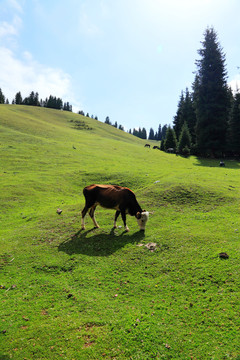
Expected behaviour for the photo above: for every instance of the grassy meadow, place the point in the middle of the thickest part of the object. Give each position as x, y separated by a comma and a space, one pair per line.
102, 293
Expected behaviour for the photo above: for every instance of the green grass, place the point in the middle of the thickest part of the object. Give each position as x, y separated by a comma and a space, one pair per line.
101, 294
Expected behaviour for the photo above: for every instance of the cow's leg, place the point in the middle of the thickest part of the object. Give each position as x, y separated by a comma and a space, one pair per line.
84, 211
88, 205
123, 214
91, 213
115, 219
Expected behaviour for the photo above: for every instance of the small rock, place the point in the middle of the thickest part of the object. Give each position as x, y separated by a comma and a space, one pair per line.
223, 255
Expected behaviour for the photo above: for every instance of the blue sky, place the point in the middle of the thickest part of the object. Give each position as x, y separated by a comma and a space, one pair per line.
126, 59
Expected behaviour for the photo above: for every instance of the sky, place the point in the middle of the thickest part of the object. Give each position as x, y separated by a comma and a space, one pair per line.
125, 59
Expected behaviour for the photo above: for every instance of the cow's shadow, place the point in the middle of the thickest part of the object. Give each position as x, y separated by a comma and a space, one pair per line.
95, 242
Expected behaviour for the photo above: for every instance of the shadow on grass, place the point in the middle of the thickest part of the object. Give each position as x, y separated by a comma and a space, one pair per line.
229, 164
98, 244
4, 357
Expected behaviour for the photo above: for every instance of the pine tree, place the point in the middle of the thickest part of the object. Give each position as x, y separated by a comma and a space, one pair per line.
144, 133
107, 121
234, 127
164, 131
185, 113
151, 134
211, 97
171, 139
159, 134
178, 118
18, 98
184, 144
189, 115
2, 97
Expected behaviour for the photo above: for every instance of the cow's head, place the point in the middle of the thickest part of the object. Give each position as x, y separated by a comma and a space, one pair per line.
142, 218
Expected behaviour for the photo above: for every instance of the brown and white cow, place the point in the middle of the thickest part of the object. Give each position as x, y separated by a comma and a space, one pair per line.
122, 199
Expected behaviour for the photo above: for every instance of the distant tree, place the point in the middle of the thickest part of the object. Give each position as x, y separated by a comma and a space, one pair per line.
162, 145
144, 133
178, 118
68, 107
116, 125
130, 131
159, 133
2, 97
211, 99
18, 98
164, 131
107, 121
7, 101
121, 127
87, 115
151, 134
184, 145
36, 100
189, 115
81, 112
185, 114
171, 140
234, 127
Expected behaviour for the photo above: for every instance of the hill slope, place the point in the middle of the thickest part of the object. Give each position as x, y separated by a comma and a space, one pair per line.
100, 293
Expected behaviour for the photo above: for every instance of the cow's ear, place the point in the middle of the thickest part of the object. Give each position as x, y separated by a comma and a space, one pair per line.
138, 215
144, 211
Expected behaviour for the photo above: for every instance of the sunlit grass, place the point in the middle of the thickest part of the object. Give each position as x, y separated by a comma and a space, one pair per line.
99, 293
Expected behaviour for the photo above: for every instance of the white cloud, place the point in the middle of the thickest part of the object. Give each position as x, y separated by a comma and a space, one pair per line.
10, 28
15, 4
27, 75
21, 72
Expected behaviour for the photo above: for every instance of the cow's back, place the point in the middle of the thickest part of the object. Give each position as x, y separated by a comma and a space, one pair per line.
110, 196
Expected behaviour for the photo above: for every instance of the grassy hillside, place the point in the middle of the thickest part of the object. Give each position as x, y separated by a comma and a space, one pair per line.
99, 293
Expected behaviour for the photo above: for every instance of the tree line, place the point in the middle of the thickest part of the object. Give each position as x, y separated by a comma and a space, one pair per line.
33, 100
207, 121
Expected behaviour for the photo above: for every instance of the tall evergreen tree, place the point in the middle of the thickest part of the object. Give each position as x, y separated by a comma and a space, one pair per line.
189, 115
144, 133
18, 98
234, 127
2, 97
171, 139
164, 131
184, 144
159, 133
151, 134
179, 117
107, 121
211, 97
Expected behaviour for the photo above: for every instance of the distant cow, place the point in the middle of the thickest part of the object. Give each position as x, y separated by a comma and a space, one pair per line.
156, 147
122, 199
147, 145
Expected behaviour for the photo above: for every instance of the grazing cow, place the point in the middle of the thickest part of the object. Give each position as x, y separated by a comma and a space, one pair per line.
156, 147
147, 145
122, 199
